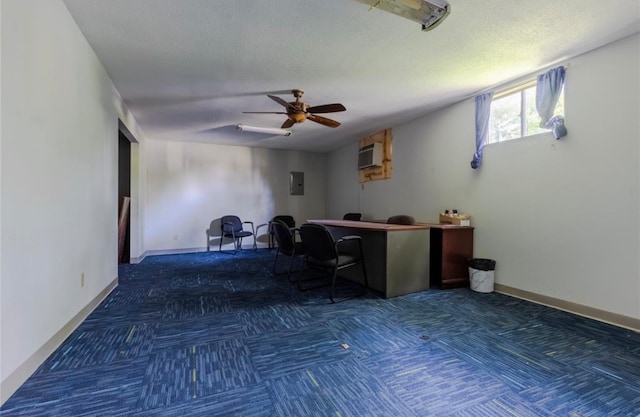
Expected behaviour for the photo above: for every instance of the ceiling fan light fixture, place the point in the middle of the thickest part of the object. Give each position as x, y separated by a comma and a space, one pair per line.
298, 111
429, 13
266, 130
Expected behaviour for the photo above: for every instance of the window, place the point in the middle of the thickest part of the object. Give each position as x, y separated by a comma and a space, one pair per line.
514, 114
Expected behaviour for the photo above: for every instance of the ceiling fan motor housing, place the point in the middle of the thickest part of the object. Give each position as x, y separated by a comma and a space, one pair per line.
297, 117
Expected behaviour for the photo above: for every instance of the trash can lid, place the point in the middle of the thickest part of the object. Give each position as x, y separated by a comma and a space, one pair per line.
482, 264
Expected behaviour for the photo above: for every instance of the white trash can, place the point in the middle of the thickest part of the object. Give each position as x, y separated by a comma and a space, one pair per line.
482, 274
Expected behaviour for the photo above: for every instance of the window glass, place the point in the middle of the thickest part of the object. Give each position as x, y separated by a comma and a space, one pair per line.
532, 119
504, 123
514, 115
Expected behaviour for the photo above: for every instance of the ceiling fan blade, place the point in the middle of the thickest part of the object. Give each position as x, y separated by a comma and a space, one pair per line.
284, 103
287, 124
323, 120
327, 108
265, 112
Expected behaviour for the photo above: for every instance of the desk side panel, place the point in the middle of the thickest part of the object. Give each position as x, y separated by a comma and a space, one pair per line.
407, 262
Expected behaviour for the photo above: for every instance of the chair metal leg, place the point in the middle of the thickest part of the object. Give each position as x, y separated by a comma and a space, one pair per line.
333, 285
275, 261
301, 280
290, 267
364, 269
235, 244
364, 274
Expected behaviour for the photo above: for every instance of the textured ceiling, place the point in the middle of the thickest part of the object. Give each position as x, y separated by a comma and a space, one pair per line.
188, 69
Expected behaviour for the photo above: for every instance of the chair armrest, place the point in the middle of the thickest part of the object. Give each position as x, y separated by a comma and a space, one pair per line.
252, 229
350, 238
346, 238
350, 247
262, 225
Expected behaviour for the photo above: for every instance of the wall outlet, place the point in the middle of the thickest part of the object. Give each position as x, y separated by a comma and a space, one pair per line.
82, 280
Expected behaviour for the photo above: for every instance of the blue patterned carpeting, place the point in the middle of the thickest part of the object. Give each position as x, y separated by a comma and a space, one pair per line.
209, 334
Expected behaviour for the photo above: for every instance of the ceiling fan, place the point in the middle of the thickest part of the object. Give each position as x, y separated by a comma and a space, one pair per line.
298, 111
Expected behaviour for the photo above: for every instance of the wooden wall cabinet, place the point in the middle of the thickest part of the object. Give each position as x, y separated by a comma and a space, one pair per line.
451, 249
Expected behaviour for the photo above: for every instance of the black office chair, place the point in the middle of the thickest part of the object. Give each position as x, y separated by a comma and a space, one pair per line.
352, 216
287, 245
401, 219
231, 227
325, 253
288, 220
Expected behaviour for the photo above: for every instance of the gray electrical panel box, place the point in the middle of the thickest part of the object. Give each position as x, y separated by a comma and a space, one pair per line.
296, 183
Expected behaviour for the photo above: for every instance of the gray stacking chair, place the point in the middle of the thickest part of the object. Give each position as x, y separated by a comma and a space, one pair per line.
232, 227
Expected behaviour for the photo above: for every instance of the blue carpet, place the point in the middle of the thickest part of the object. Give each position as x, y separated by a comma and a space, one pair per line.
210, 334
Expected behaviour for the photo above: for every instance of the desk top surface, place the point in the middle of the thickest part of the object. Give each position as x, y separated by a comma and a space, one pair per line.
369, 225
381, 226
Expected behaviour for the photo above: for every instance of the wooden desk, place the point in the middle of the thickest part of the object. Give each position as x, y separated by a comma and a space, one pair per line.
396, 256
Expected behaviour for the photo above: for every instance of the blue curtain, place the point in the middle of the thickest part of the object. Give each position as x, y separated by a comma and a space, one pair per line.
547, 94
483, 111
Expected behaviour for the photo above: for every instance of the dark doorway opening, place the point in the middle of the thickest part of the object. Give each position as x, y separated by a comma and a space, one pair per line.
124, 195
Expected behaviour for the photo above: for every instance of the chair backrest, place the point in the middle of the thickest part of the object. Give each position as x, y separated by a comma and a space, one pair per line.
352, 216
288, 220
401, 219
318, 242
284, 236
230, 223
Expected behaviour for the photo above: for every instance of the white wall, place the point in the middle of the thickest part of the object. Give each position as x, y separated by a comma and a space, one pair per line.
543, 209
59, 139
561, 218
58, 170
189, 185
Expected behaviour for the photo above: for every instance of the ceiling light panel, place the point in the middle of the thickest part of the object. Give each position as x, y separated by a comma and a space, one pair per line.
265, 130
427, 13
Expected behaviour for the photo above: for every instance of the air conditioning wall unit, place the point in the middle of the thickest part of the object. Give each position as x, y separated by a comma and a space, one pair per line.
370, 156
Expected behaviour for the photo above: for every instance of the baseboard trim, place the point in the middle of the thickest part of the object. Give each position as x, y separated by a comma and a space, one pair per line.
18, 377
579, 309
164, 252
155, 252
137, 260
